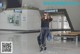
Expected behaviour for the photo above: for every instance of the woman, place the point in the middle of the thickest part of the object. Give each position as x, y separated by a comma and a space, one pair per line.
44, 31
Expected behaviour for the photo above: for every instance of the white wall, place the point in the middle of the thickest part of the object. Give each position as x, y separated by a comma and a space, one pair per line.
73, 11
30, 20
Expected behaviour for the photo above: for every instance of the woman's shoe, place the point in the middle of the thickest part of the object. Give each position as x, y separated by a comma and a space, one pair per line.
41, 49
45, 48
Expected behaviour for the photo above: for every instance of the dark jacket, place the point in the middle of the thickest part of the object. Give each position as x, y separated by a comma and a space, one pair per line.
45, 22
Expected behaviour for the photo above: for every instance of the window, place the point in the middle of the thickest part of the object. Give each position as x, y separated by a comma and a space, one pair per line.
1, 5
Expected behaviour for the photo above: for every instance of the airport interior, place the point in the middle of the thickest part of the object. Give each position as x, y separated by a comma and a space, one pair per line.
20, 23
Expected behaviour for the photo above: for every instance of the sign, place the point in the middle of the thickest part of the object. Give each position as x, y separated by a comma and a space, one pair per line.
53, 10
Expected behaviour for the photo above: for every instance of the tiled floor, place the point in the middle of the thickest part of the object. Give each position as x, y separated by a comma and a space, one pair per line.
26, 43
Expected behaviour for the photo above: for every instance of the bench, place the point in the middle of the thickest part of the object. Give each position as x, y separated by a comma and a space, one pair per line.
70, 34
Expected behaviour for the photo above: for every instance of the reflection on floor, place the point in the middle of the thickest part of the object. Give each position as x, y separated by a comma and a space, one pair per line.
27, 44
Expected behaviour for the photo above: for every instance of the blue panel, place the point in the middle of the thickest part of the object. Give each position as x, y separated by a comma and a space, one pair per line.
1, 5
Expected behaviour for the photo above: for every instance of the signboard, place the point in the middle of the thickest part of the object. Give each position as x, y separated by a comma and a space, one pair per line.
53, 10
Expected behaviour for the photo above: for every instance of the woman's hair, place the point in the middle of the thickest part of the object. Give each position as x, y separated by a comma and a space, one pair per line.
48, 16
